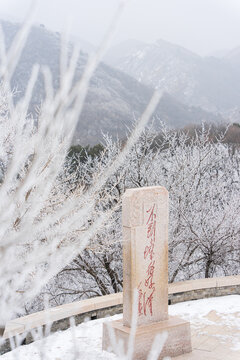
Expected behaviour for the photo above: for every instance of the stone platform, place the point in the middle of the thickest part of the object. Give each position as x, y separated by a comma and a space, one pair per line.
215, 336
178, 341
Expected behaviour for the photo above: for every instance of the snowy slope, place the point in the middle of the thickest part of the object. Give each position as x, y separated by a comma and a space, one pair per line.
113, 99
211, 83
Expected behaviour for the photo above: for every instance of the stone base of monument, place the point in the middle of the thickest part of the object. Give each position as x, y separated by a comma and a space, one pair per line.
178, 341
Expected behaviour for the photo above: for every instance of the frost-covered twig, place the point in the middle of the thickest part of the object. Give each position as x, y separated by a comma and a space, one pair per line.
39, 235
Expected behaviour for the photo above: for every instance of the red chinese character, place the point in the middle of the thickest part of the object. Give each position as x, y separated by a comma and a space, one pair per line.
145, 302
151, 216
145, 296
150, 271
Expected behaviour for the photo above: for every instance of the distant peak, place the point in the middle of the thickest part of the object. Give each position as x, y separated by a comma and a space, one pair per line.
172, 46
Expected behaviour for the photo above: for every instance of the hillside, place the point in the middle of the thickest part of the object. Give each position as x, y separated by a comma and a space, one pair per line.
233, 57
113, 97
211, 83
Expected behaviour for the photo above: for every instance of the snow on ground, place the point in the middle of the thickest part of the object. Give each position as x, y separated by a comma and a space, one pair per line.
196, 311
86, 337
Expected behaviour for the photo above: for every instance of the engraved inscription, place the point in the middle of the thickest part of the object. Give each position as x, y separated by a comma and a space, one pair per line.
146, 288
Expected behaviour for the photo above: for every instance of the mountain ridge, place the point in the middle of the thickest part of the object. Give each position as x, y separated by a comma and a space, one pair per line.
209, 82
113, 96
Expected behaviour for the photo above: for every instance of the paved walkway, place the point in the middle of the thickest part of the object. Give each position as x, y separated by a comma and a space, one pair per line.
215, 341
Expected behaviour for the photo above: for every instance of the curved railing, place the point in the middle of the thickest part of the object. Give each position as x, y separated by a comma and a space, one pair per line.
110, 304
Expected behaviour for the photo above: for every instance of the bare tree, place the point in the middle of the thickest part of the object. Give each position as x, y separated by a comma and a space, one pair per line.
202, 176
43, 228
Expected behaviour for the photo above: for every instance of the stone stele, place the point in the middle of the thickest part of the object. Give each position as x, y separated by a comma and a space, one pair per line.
145, 273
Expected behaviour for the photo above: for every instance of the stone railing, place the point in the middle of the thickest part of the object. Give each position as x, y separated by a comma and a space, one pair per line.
112, 304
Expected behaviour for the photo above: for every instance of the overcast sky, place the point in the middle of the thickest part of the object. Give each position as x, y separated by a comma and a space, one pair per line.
202, 26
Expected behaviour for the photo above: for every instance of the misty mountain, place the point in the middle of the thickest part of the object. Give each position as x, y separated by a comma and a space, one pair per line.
219, 53
85, 46
233, 58
114, 98
209, 82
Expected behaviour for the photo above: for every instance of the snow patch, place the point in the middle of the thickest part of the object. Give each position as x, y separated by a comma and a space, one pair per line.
86, 339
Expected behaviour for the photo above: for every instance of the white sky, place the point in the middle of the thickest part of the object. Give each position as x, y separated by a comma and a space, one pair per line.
202, 26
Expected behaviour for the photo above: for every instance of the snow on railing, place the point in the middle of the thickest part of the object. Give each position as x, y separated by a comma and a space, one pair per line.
35, 320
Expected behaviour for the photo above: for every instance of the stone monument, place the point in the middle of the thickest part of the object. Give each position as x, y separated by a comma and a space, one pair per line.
145, 268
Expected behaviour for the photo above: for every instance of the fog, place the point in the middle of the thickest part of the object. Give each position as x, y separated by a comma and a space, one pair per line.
203, 26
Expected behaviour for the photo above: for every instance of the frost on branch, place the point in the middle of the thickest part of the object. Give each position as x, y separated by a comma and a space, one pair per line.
202, 175
43, 223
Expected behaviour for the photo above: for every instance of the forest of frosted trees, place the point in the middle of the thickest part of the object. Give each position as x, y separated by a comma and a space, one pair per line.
60, 215
202, 174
